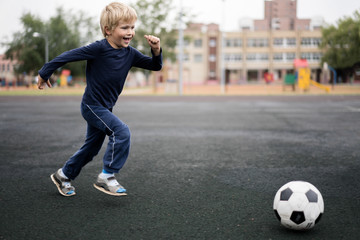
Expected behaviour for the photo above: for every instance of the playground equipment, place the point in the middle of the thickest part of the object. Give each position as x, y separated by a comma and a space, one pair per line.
303, 77
64, 78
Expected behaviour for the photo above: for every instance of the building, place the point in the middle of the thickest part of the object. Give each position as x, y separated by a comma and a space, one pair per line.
267, 45
7, 74
281, 15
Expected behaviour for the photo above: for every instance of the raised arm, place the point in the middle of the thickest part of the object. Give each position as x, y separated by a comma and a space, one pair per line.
153, 63
154, 43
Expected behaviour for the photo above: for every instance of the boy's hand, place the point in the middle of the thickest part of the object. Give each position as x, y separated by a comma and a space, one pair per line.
41, 83
154, 43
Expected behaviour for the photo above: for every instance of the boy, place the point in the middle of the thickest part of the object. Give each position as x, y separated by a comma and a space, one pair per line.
108, 63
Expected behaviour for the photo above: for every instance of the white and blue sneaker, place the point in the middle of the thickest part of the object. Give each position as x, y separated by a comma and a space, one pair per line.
63, 184
109, 186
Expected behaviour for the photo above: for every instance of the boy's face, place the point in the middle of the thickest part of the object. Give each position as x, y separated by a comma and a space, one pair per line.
121, 36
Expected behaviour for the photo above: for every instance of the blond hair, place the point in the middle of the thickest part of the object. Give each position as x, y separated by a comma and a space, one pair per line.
115, 12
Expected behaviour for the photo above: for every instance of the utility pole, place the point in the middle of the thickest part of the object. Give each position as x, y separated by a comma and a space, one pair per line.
222, 58
181, 49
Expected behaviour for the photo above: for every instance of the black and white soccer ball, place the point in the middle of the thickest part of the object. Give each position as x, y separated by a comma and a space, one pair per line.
298, 205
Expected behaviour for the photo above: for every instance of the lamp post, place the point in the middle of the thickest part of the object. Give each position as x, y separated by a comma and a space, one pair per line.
45, 36
181, 50
222, 58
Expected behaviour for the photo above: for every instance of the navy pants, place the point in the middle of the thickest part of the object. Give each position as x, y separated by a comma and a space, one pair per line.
100, 122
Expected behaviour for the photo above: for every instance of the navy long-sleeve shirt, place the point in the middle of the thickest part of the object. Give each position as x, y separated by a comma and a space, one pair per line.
106, 69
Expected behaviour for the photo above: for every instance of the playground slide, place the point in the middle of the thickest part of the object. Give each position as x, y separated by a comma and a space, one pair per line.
304, 74
321, 86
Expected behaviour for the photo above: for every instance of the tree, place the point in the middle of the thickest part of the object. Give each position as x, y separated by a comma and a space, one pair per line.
64, 31
342, 44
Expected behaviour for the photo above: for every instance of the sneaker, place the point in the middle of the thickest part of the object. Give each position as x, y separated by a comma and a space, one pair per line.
63, 184
114, 189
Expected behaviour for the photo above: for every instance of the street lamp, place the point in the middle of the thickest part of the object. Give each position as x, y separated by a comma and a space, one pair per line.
45, 36
222, 63
181, 49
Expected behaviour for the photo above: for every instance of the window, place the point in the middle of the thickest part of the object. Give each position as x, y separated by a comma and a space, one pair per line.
290, 56
228, 43
257, 42
186, 57
198, 43
287, 57
212, 43
316, 41
212, 58
198, 58
317, 56
232, 57
278, 42
257, 56
278, 56
263, 56
306, 56
291, 41
233, 42
237, 57
185, 42
305, 41
251, 56
275, 22
237, 42
311, 56
251, 42
263, 42
310, 42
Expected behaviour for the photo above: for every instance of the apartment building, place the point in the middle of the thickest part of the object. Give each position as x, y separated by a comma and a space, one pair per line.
7, 74
268, 45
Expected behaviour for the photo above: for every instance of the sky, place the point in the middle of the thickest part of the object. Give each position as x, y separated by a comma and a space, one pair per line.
227, 12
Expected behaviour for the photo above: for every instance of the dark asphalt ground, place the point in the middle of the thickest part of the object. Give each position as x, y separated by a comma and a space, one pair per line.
199, 168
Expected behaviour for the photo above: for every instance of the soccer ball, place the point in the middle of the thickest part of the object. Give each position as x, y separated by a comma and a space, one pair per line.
298, 205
